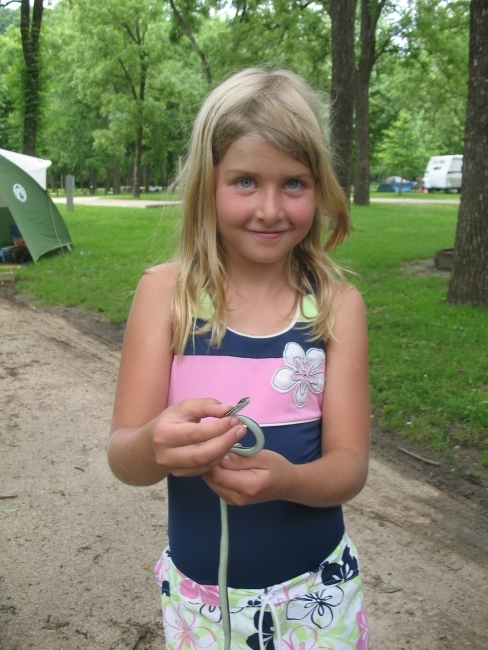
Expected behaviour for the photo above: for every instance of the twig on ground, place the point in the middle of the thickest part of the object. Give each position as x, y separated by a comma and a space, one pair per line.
424, 460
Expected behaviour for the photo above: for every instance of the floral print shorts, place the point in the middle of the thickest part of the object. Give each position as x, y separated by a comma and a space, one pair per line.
320, 610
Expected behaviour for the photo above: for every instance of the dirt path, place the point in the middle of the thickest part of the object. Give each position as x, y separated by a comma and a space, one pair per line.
78, 547
117, 203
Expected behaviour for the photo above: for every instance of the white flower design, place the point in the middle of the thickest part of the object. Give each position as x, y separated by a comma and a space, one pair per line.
303, 371
316, 608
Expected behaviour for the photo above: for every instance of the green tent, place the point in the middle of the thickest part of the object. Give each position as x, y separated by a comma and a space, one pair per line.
25, 203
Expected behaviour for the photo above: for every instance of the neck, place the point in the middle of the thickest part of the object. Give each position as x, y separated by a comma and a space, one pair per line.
258, 279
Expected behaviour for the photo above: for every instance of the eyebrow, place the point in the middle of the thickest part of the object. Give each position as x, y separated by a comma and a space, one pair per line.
246, 172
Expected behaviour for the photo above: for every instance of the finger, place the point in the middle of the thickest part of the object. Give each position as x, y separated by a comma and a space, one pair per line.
171, 434
214, 479
233, 461
194, 434
194, 410
202, 456
236, 481
230, 494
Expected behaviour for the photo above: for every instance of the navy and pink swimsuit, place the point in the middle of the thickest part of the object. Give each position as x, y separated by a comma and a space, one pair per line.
270, 542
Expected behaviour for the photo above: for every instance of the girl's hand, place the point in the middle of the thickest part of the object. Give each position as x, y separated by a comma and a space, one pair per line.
240, 480
184, 445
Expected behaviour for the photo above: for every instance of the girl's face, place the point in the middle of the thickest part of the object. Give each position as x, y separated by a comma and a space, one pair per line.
265, 201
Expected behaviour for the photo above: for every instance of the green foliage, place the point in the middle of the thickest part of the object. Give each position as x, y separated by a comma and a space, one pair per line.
11, 101
428, 360
10, 16
405, 147
67, 137
96, 55
427, 76
112, 71
282, 33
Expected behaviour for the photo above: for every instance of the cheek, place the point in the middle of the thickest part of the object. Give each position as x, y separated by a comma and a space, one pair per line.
231, 209
305, 214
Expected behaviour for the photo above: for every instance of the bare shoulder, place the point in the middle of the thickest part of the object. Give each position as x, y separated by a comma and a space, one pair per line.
349, 305
162, 276
147, 350
151, 310
155, 289
164, 272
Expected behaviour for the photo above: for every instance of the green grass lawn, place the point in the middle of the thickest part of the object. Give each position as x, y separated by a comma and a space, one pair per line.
428, 360
112, 246
431, 196
163, 195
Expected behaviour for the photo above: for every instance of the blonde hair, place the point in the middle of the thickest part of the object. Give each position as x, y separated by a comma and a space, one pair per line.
281, 108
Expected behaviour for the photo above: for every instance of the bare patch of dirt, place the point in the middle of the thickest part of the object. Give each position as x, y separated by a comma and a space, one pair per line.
89, 322
78, 547
424, 267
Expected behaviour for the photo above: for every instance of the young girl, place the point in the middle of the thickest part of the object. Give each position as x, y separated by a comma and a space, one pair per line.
252, 308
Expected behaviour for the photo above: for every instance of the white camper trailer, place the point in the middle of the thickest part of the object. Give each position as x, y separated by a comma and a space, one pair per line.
443, 173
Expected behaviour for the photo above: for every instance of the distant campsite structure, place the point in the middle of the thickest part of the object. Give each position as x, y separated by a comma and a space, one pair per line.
30, 224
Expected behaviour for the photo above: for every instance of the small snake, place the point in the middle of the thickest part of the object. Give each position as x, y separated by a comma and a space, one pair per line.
224, 538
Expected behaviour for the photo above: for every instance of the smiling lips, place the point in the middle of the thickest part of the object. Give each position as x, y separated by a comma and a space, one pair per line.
267, 234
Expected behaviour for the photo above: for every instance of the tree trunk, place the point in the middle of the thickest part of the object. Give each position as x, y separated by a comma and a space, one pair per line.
370, 12
54, 187
30, 33
342, 15
93, 181
136, 181
116, 175
469, 280
108, 174
145, 175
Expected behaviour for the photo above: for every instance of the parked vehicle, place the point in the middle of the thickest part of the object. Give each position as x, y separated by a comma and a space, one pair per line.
444, 173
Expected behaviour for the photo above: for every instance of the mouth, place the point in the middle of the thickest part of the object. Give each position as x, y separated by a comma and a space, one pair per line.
268, 235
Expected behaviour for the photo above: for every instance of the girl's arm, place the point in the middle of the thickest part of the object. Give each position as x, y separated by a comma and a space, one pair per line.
341, 471
148, 440
346, 416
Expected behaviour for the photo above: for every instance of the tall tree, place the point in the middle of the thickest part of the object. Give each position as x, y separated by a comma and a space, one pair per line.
404, 148
118, 44
469, 281
30, 30
11, 67
342, 15
370, 13
186, 17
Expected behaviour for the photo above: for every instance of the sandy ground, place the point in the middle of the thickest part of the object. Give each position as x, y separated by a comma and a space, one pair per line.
77, 547
117, 203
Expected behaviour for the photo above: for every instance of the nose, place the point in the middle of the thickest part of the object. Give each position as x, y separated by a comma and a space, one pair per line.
269, 207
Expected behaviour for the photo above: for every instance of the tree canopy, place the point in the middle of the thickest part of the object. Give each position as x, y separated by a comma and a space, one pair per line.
120, 80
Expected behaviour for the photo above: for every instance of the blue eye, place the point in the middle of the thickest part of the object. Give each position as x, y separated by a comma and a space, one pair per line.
293, 184
245, 183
